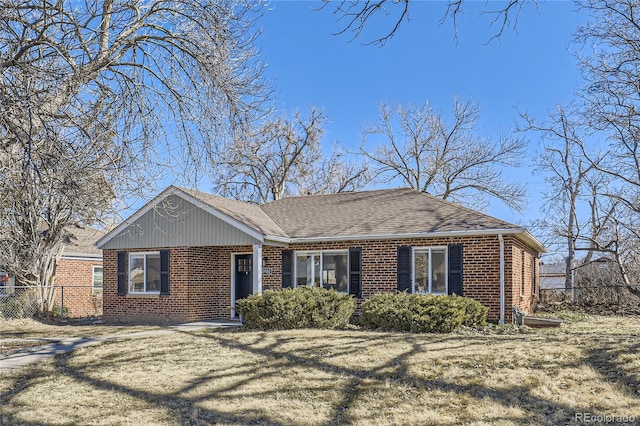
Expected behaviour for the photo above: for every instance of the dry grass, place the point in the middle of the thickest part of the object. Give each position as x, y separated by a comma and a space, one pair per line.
311, 377
32, 329
9, 346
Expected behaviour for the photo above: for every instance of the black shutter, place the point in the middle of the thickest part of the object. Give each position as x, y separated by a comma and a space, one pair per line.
122, 273
404, 268
164, 272
287, 269
455, 269
355, 271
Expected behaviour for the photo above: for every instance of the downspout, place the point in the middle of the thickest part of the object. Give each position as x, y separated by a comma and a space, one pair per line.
501, 320
257, 269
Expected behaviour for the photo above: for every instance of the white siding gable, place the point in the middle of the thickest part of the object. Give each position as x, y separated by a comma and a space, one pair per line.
175, 222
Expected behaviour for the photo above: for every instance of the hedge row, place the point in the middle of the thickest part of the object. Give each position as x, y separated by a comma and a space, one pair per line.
421, 313
297, 308
319, 308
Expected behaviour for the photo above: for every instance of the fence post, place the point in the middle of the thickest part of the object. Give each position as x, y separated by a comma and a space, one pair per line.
62, 303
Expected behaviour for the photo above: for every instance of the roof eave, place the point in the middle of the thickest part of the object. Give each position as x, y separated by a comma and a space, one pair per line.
252, 232
82, 256
521, 232
135, 216
172, 190
532, 241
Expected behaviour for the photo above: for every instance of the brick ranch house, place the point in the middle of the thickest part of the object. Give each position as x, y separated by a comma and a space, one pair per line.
79, 273
188, 255
78, 284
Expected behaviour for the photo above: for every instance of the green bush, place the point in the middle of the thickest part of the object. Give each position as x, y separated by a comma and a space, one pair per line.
475, 312
421, 313
296, 308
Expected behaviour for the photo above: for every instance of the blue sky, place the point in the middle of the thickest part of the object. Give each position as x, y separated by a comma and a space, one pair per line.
531, 69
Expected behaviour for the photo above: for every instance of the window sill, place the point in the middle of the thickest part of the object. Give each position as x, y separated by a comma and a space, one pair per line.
143, 295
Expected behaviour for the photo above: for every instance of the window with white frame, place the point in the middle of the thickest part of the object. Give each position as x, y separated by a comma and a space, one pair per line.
144, 272
328, 269
97, 278
430, 270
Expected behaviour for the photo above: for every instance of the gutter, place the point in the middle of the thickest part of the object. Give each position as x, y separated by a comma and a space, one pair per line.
501, 320
521, 232
74, 256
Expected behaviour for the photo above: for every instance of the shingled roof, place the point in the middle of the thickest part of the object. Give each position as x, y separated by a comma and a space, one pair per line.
247, 213
82, 242
376, 213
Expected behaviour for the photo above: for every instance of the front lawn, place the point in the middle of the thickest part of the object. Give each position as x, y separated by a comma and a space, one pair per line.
33, 329
307, 377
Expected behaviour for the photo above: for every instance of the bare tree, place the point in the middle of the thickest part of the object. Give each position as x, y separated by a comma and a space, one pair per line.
617, 239
284, 157
357, 15
45, 196
579, 204
447, 159
611, 96
99, 98
336, 173
566, 172
612, 110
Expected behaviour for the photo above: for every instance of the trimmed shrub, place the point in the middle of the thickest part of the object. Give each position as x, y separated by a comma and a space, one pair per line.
421, 313
475, 312
296, 308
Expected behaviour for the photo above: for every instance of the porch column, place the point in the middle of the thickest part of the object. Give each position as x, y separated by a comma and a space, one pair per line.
257, 268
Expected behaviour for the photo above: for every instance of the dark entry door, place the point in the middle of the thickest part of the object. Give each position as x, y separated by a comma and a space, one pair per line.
244, 275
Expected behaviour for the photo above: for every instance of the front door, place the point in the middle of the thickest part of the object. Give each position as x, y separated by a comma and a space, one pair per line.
244, 275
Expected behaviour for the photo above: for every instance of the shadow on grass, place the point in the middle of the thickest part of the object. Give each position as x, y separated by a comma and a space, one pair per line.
21, 384
539, 410
270, 355
609, 362
183, 409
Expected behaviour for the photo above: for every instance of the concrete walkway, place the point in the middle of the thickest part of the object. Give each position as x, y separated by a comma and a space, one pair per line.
35, 354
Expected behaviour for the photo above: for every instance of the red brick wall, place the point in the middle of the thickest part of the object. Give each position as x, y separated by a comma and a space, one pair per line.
76, 276
200, 277
525, 301
481, 270
200, 288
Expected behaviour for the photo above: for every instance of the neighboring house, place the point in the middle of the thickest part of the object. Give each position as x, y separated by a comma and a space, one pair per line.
553, 276
189, 256
78, 275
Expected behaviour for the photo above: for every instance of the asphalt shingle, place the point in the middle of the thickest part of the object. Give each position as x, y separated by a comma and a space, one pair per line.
373, 213
249, 214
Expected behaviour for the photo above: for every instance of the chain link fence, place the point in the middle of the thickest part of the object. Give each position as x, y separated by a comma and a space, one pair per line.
606, 294
597, 299
68, 302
